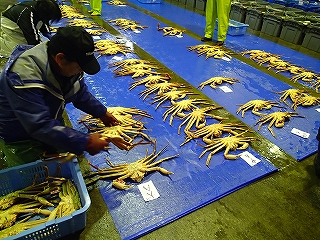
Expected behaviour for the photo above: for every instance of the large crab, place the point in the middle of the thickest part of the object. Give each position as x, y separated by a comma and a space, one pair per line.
128, 62
177, 108
277, 119
160, 88
292, 93
171, 96
170, 31
137, 70
306, 76
135, 170
235, 142
257, 54
197, 117
150, 80
256, 105
214, 130
216, 52
217, 80
306, 101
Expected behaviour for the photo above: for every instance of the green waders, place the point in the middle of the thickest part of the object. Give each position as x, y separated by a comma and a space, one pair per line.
11, 36
96, 6
217, 9
22, 152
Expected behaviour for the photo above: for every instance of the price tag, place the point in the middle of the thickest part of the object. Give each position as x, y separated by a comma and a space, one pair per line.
300, 133
225, 89
226, 59
249, 158
96, 37
148, 191
117, 58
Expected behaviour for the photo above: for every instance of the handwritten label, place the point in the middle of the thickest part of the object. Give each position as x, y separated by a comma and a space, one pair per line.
300, 133
148, 191
249, 158
225, 89
117, 58
96, 37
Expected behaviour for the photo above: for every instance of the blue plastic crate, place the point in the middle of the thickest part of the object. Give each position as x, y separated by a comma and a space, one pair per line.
237, 28
19, 177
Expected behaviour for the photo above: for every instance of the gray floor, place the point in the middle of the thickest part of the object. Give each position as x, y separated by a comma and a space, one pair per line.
284, 205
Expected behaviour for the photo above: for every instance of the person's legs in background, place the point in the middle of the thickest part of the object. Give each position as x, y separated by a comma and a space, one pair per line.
223, 9
211, 15
96, 6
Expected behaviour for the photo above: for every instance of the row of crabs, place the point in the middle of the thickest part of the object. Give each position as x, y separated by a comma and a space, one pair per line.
145, 73
275, 62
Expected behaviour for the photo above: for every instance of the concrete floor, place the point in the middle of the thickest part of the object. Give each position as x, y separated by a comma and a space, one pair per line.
284, 205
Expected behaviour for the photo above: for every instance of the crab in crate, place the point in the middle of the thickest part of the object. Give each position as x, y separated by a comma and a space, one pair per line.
291, 93
160, 88
171, 96
256, 106
150, 80
177, 108
135, 170
197, 117
217, 80
306, 101
277, 119
214, 130
170, 31
230, 143
306, 76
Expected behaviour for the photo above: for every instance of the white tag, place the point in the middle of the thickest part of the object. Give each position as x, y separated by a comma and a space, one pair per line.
148, 191
96, 37
300, 133
117, 58
318, 109
129, 45
136, 31
226, 89
226, 59
179, 36
249, 158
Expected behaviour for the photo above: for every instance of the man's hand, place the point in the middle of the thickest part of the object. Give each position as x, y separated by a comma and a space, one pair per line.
96, 144
109, 120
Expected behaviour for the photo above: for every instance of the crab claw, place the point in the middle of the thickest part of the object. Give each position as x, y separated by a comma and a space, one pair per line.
120, 184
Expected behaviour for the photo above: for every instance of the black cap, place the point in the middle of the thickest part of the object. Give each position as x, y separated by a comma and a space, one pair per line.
77, 45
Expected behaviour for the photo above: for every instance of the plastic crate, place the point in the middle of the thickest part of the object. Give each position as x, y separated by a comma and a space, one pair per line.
183, 2
237, 28
201, 5
272, 24
312, 37
254, 18
238, 12
22, 176
293, 30
191, 3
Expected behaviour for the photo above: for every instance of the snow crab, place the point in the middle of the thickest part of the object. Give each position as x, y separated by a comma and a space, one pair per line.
292, 93
217, 80
306, 76
150, 80
277, 119
116, 2
214, 130
177, 108
160, 88
198, 118
171, 96
82, 23
137, 70
256, 105
170, 31
257, 54
305, 101
135, 170
235, 142
128, 62
127, 24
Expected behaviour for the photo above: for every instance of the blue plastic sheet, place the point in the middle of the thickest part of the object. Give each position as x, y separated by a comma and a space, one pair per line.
254, 84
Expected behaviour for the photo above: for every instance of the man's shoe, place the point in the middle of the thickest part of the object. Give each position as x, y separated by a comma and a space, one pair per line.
219, 43
205, 39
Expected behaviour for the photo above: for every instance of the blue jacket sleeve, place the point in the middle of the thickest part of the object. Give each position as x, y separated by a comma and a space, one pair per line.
37, 118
